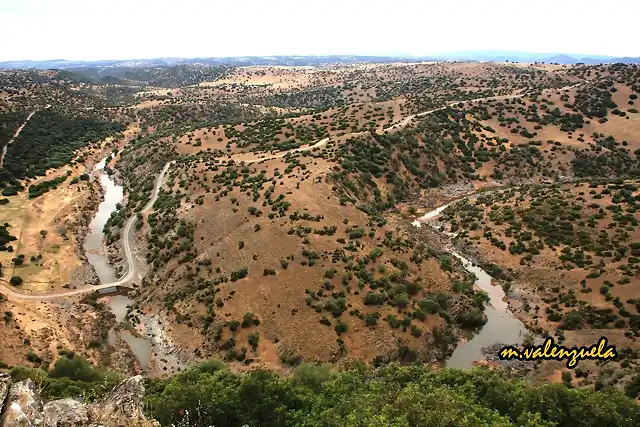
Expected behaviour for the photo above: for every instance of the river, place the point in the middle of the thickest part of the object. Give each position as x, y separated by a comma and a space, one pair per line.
501, 327
118, 304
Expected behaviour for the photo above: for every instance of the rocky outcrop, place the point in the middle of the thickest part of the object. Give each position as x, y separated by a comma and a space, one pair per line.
121, 406
65, 412
82, 275
22, 406
519, 367
5, 383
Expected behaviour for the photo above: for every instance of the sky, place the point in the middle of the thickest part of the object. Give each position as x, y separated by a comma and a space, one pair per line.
128, 29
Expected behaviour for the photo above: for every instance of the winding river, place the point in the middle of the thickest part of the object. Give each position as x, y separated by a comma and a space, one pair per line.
501, 327
118, 304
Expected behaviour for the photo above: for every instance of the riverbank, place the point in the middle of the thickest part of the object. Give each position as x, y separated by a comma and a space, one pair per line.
144, 333
113, 196
51, 231
86, 273
113, 250
502, 326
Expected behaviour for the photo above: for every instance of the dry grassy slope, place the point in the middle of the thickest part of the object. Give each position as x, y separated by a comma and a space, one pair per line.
505, 140
593, 203
37, 333
223, 223
268, 135
64, 214
59, 213
621, 128
581, 276
44, 329
424, 84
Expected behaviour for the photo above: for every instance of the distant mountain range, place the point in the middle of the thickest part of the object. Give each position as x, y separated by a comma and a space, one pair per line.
488, 55
63, 64
559, 58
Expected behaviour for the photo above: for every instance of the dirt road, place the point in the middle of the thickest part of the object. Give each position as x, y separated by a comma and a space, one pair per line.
247, 159
128, 234
128, 238
15, 135
408, 119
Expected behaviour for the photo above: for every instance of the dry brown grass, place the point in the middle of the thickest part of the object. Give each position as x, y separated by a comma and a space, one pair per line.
279, 300
535, 279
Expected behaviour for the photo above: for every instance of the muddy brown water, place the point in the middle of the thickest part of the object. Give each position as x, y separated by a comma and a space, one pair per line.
501, 327
118, 304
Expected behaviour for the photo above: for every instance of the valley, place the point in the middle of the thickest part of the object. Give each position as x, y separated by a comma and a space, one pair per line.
266, 216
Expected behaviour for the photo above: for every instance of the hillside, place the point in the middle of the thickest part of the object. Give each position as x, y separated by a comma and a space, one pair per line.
568, 254
281, 232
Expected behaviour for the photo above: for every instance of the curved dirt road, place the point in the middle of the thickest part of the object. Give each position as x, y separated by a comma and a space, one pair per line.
248, 159
128, 234
408, 119
281, 154
127, 239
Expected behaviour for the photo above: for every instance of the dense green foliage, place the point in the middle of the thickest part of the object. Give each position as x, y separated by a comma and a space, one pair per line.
45, 186
388, 396
172, 76
5, 237
49, 141
170, 117
9, 123
71, 376
209, 394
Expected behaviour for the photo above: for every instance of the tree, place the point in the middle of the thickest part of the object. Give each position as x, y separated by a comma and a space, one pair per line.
567, 378
401, 300
572, 320
253, 339
76, 368
390, 395
633, 388
16, 281
341, 327
311, 376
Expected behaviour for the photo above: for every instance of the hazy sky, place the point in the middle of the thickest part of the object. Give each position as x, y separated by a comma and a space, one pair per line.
123, 29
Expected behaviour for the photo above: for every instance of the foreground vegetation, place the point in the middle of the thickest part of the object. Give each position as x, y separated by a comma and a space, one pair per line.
352, 395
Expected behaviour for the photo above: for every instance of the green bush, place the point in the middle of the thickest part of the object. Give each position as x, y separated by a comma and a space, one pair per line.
341, 328
633, 388
16, 281
572, 320
311, 376
240, 274
71, 376
253, 339
386, 396
76, 368
249, 319
473, 318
